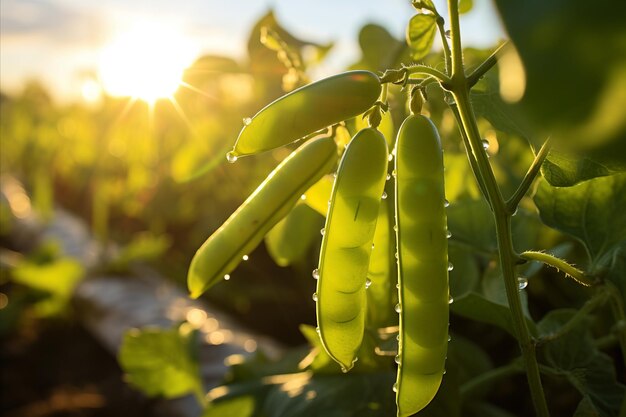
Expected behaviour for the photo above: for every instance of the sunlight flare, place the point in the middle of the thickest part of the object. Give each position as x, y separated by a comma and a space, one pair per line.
147, 62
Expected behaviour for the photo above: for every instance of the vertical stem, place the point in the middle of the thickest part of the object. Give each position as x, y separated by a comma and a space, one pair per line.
508, 257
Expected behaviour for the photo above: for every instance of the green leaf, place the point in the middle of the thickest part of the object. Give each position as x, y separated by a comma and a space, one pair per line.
575, 65
563, 170
591, 211
242, 406
465, 6
478, 307
465, 276
420, 34
586, 408
590, 371
471, 223
161, 362
57, 278
379, 49
291, 238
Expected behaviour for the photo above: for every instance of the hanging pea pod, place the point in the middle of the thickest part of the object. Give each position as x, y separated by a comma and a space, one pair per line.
307, 110
289, 241
347, 244
422, 264
265, 207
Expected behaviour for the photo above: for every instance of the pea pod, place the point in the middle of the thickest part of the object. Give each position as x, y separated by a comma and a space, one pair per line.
267, 205
289, 241
422, 264
308, 109
347, 245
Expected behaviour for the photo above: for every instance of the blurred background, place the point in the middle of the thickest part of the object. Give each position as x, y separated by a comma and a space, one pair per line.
117, 116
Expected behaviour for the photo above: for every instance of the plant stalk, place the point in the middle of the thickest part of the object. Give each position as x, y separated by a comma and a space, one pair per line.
508, 257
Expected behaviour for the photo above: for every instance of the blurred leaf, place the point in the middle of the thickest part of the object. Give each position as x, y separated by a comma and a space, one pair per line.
563, 170
465, 6
307, 395
143, 247
291, 238
483, 409
57, 278
459, 180
488, 103
469, 359
466, 274
575, 65
420, 34
379, 49
586, 408
161, 362
242, 406
471, 223
591, 211
590, 371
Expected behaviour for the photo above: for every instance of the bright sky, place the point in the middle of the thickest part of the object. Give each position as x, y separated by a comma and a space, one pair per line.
62, 41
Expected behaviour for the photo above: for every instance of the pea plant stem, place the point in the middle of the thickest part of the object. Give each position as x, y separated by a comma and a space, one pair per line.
459, 88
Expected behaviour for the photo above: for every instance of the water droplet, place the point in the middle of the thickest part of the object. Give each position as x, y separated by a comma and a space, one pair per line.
398, 338
247, 121
485, 144
245, 257
388, 177
448, 234
398, 286
334, 175
396, 255
316, 273
390, 157
373, 245
317, 330
450, 266
384, 197
444, 371
368, 283
231, 157
395, 387
397, 359
226, 277
446, 203
522, 282
398, 308
395, 227
314, 296
449, 338
303, 197
394, 173
450, 300
322, 231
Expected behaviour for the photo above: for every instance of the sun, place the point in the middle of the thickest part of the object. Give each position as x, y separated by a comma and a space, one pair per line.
146, 62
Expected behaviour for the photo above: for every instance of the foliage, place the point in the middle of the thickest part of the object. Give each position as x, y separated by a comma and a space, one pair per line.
173, 181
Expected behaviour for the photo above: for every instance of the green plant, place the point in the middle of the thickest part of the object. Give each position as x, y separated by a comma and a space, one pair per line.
577, 345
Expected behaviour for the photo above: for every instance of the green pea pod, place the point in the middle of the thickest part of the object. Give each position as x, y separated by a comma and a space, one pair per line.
347, 245
422, 264
382, 271
308, 109
291, 238
265, 207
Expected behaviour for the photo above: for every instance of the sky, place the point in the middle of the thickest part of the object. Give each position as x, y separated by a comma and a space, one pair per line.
60, 42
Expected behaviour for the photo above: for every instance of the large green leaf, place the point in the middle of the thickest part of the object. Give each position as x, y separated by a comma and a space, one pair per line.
379, 49
588, 370
161, 361
563, 170
591, 211
574, 57
420, 34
